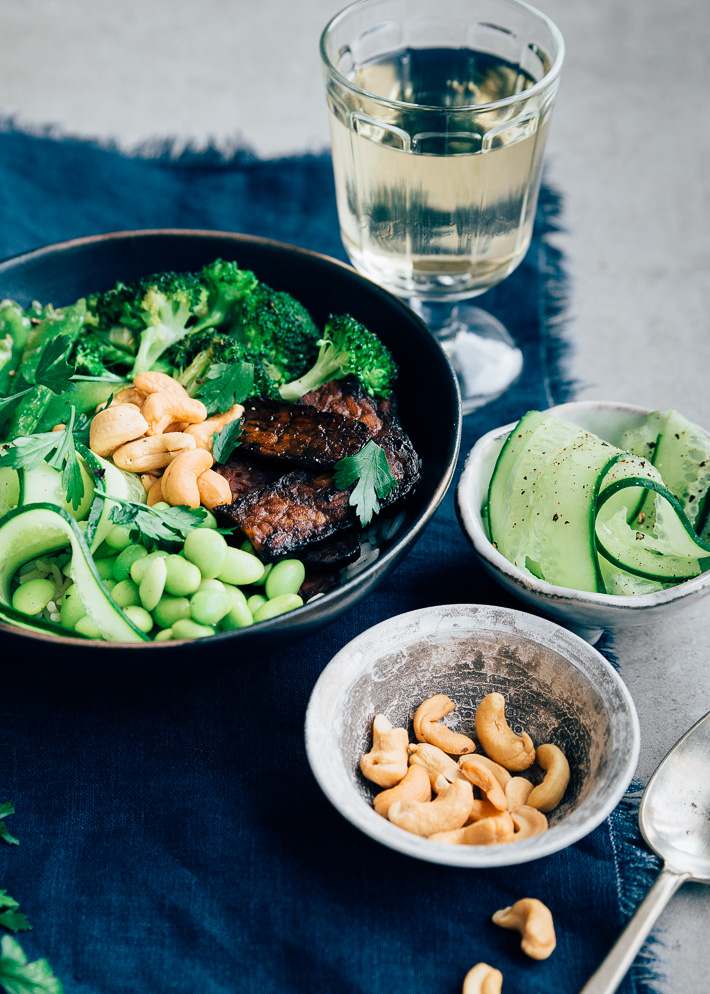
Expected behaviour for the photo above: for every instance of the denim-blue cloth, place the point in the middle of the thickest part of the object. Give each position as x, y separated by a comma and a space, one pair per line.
172, 836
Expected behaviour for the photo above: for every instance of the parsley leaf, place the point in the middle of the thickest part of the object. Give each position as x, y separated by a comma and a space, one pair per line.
225, 442
167, 527
53, 371
57, 448
370, 470
6, 401
8, 808
12, 919
227, 384
18, 976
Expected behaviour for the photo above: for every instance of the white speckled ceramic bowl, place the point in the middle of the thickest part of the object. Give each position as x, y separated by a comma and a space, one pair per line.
557, 687
586, 613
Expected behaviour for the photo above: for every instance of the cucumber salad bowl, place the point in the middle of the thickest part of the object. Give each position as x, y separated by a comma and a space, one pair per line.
593, 513
102, 558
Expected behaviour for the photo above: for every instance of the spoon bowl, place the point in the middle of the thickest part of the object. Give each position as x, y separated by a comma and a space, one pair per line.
674, 819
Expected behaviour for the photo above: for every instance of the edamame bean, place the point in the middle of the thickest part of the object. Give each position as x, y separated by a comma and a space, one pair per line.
71, 608
165, 636
161, 505
140, 617
182, 577
33, 596
140, 566
262, 578
278, 605
153, 583
238, 596
209, 521
103, 552
168, 610
207, 550
246, 546
118, 538
241, 568
104, 567
125, 593
255, 602
208, 607
85, 626
125, 559
285, 578
238, 617
186, 629
212, 584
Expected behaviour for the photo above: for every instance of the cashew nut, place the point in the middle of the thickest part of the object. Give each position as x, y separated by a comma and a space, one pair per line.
449, 810
386, 763
498, 739
483, 979
203, 433
153, 382
214, 489
434, 761
151, 453
491, 831
534, 922
428, 729
481, 809
155, 494
548, 794
162, 409
180, 478
498, 771
60, 427
517, 790
414, 787
528, 821
114, 426
481, 776
148, 479
129, 395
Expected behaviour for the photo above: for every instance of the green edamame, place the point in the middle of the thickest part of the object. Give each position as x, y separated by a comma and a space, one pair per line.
211, 584
140, 566
104, 567
209, 521
85, 626
33, 596
125, 593
125, 559
168, 610
278, 605
153, 583
71, 608
186, 629
166, 635
183, 577
238, 617
262, 578
285, 578
118, 538
208, 607
240, 568
255, 602
139, 616
238, 596
207, 550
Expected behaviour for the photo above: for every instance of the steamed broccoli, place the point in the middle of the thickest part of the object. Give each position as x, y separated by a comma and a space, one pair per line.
347, 348
278, 332
226, 288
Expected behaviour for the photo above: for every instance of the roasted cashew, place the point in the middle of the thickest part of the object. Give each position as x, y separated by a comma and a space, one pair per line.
548, 794
487, 832
155, 494
148, 479
151, 453
162, 409
517, 790
434, 761
528, 821
414, 787
498, 739
483, 979
481, 809
152, 382
114, 426
178, 426
214, 489
428, 729
498, 771
386, 763
203, 433
449, 810
129, 395
180, 478
534, 922
481, 776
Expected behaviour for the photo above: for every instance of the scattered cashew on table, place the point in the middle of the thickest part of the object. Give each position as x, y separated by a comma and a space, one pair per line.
156, 429
477, 800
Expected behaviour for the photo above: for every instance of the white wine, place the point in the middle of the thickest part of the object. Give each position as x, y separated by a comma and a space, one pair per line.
437, 199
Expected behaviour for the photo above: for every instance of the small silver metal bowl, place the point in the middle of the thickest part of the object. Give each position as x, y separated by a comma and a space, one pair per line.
557, 688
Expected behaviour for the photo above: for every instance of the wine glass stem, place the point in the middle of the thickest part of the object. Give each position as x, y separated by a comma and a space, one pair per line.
441, 317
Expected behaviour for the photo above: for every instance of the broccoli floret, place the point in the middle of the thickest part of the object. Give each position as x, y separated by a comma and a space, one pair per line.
278, 330
347, 348
226, 286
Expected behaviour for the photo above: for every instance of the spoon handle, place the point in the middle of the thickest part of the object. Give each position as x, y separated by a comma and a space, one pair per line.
622, 954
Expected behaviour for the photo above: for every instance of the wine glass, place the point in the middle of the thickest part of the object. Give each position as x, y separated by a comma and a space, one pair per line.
439, 111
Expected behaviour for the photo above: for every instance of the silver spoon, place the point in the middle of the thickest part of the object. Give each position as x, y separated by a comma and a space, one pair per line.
674, 818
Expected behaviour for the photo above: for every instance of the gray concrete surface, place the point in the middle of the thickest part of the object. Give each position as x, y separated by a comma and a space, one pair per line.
629, 150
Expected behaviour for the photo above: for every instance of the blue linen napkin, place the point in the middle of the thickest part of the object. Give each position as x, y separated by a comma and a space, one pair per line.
172, 836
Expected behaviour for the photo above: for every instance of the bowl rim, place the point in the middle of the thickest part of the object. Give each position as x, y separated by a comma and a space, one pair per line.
351, 662
397, 547
472, 525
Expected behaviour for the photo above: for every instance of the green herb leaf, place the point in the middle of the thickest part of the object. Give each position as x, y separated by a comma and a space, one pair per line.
370, 470
14, 921
57, 448
227, 384
225, 442
53, 371
18, 976
6, 401
8, 808
166, 527
8, 902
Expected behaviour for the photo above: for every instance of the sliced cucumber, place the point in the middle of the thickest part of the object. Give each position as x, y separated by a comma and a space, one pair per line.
43, 485
9, 489
110, 480
37, 529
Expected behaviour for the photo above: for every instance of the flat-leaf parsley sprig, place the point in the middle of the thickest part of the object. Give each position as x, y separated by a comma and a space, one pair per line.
375, 481
227, 384
53, 371
10, 918
8, 808
165, 527
17, 976
57, 448
225, 442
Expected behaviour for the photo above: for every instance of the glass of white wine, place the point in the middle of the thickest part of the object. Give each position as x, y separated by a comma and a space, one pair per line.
439, 111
